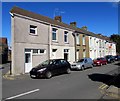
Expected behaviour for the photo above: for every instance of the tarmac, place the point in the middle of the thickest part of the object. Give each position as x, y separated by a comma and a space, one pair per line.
112, 90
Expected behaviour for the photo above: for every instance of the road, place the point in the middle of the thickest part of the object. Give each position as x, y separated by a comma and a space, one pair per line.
77, 85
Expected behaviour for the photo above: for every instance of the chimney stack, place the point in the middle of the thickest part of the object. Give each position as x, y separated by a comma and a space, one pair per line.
100, 34
74, 24
58, 18
84, 28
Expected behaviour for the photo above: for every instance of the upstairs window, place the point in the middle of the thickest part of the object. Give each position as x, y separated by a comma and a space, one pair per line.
33, 29
77, 39
90, 41
83, 39
65, 36
54, 34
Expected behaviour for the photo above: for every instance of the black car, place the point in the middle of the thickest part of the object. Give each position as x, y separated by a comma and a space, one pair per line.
50, 67
117, 57
110, 58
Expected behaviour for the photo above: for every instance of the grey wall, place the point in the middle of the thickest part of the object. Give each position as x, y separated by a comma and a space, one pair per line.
22, 39
22, 31
61, 38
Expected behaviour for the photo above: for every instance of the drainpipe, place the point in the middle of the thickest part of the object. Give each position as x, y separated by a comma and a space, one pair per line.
49, 41
74, 34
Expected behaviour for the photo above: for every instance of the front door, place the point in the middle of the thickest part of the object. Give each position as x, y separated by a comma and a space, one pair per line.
66, 56
28, 62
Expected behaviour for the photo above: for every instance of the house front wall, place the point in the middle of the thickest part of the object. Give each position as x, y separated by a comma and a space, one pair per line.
84, 49
22, 39
59, 48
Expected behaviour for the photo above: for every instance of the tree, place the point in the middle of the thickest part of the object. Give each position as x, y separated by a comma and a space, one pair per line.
116, 38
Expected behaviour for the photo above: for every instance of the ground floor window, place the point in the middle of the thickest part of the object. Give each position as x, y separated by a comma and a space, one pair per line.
54, 53
39, 51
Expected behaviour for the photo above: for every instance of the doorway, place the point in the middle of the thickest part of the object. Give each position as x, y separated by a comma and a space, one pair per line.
28, 61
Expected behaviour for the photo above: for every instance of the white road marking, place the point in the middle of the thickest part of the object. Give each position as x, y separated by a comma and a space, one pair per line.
22, 94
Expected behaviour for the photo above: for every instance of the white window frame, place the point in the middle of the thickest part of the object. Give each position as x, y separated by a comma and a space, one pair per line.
39, 53
33, 27
90, 41
66, 36
77, 39
56, 31
44, 51
83, 40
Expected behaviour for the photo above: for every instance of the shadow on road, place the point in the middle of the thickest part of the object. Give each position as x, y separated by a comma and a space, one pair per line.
106, 78
118, 64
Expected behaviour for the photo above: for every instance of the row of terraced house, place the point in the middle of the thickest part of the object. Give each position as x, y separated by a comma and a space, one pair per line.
36, 38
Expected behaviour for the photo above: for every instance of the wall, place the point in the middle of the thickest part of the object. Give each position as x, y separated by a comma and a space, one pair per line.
22, 39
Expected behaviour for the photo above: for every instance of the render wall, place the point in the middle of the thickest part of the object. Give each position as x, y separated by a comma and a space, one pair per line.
22, 39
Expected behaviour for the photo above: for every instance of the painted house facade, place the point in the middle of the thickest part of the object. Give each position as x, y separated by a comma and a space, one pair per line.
101, 46
36, 38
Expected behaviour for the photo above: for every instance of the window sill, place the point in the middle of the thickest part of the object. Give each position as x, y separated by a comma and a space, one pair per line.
78, 44
33, 34
66, 42
55, 41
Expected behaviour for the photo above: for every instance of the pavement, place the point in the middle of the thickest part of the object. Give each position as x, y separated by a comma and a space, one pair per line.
112, 90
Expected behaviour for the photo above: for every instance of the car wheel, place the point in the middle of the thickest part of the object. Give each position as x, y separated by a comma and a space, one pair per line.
48, 74
82, 67
32, 77
92, 65
68, 70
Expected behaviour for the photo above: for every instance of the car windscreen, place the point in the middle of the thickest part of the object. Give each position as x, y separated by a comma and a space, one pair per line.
81, 60
98, 59
47, 62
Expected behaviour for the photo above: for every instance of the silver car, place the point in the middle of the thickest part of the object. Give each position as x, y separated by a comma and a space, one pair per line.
82, 64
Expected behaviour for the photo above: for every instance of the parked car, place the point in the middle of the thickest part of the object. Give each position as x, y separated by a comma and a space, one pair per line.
82, 64
100, 61
49, 68
117, 57
109, 58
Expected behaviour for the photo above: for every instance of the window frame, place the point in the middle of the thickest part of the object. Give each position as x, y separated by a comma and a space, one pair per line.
83, 40
54, 32
39, 52
66, 36
33, 28
78, 39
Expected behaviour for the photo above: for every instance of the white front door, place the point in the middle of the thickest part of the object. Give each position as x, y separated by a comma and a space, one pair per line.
28, 62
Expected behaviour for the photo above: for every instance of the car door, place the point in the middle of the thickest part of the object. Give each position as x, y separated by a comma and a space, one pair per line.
104, 60
64, 65
89, 62
57, 67
86, 63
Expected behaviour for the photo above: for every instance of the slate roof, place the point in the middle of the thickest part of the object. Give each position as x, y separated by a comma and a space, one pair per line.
17, 10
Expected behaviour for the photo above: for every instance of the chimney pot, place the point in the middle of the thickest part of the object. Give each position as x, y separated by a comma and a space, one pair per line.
84, 28
58, 18
73, 24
